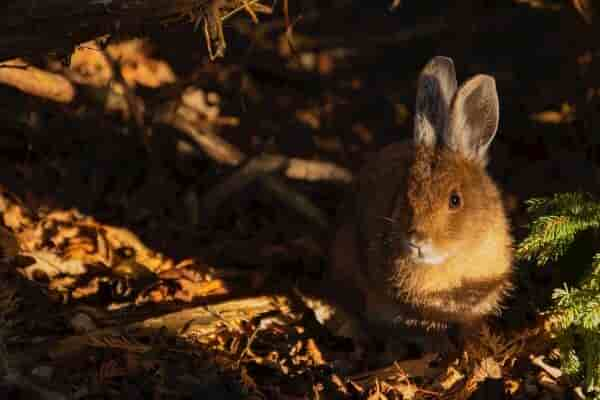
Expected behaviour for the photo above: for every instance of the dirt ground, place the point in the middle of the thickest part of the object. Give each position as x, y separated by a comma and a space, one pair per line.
138, 264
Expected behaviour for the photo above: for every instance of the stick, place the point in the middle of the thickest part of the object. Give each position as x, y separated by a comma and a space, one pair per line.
265, 164
226, 153
198, 319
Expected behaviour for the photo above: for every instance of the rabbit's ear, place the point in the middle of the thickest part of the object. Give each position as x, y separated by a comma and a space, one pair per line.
436, 86
474, 115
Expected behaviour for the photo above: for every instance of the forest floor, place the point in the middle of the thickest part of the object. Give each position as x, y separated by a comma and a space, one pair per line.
139, 262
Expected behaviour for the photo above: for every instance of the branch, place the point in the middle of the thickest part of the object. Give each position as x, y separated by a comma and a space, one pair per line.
202, 319
36, 27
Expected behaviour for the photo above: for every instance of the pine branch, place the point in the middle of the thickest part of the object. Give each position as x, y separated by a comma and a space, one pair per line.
556, 224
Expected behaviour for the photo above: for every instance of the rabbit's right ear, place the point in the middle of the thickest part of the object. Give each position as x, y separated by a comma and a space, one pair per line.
473, 118
436, 87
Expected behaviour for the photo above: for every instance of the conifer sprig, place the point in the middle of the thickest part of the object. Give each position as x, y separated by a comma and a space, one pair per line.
557, 221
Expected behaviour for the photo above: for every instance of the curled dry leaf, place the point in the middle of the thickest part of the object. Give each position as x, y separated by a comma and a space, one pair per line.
16, 217
90, 66
123, 238
50, 266
81, 237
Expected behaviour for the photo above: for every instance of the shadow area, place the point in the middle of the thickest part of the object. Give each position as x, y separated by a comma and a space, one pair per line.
164, 300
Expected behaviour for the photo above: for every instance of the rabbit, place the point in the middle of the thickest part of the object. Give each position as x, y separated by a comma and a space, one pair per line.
424, 245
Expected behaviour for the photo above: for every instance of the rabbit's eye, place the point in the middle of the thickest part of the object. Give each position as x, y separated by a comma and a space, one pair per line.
455, 200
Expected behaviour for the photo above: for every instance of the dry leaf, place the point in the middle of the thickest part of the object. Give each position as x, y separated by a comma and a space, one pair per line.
450, 378
131, 269
89, 289
511, 386
565, 115
62, 283
51, 266
190, 290
314, 352
16, 217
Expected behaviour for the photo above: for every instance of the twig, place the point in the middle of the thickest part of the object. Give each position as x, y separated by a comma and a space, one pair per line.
224, 152
400, 369
35, 81
248, 345
213, 145
61, 24
538, 361
196, 319
266, 164
295, 200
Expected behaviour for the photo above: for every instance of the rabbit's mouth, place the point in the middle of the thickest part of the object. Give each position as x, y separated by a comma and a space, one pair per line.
424, 253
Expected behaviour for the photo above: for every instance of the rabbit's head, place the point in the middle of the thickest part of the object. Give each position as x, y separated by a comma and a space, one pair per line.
448, 244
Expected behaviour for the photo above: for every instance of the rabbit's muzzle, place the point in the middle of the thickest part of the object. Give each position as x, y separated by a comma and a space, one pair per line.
421, 250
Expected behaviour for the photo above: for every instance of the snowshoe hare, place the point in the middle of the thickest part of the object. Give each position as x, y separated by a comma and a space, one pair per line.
425, 241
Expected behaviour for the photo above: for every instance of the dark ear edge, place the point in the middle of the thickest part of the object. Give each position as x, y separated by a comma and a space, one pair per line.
474, 117
436, 87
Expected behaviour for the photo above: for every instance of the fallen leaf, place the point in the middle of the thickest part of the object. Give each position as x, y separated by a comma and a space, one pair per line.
51, 266
450, 378
313, 351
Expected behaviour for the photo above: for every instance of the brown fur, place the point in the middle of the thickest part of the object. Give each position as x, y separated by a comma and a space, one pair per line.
470, 285
402, 197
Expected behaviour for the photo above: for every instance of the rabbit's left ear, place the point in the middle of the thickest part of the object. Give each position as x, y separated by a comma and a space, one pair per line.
436, 86
474, 115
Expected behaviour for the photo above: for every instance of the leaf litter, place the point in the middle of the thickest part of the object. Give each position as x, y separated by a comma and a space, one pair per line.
74, 258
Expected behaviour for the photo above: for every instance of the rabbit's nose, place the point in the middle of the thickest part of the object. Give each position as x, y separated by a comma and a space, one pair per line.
413, 249
415, 237
414, 243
